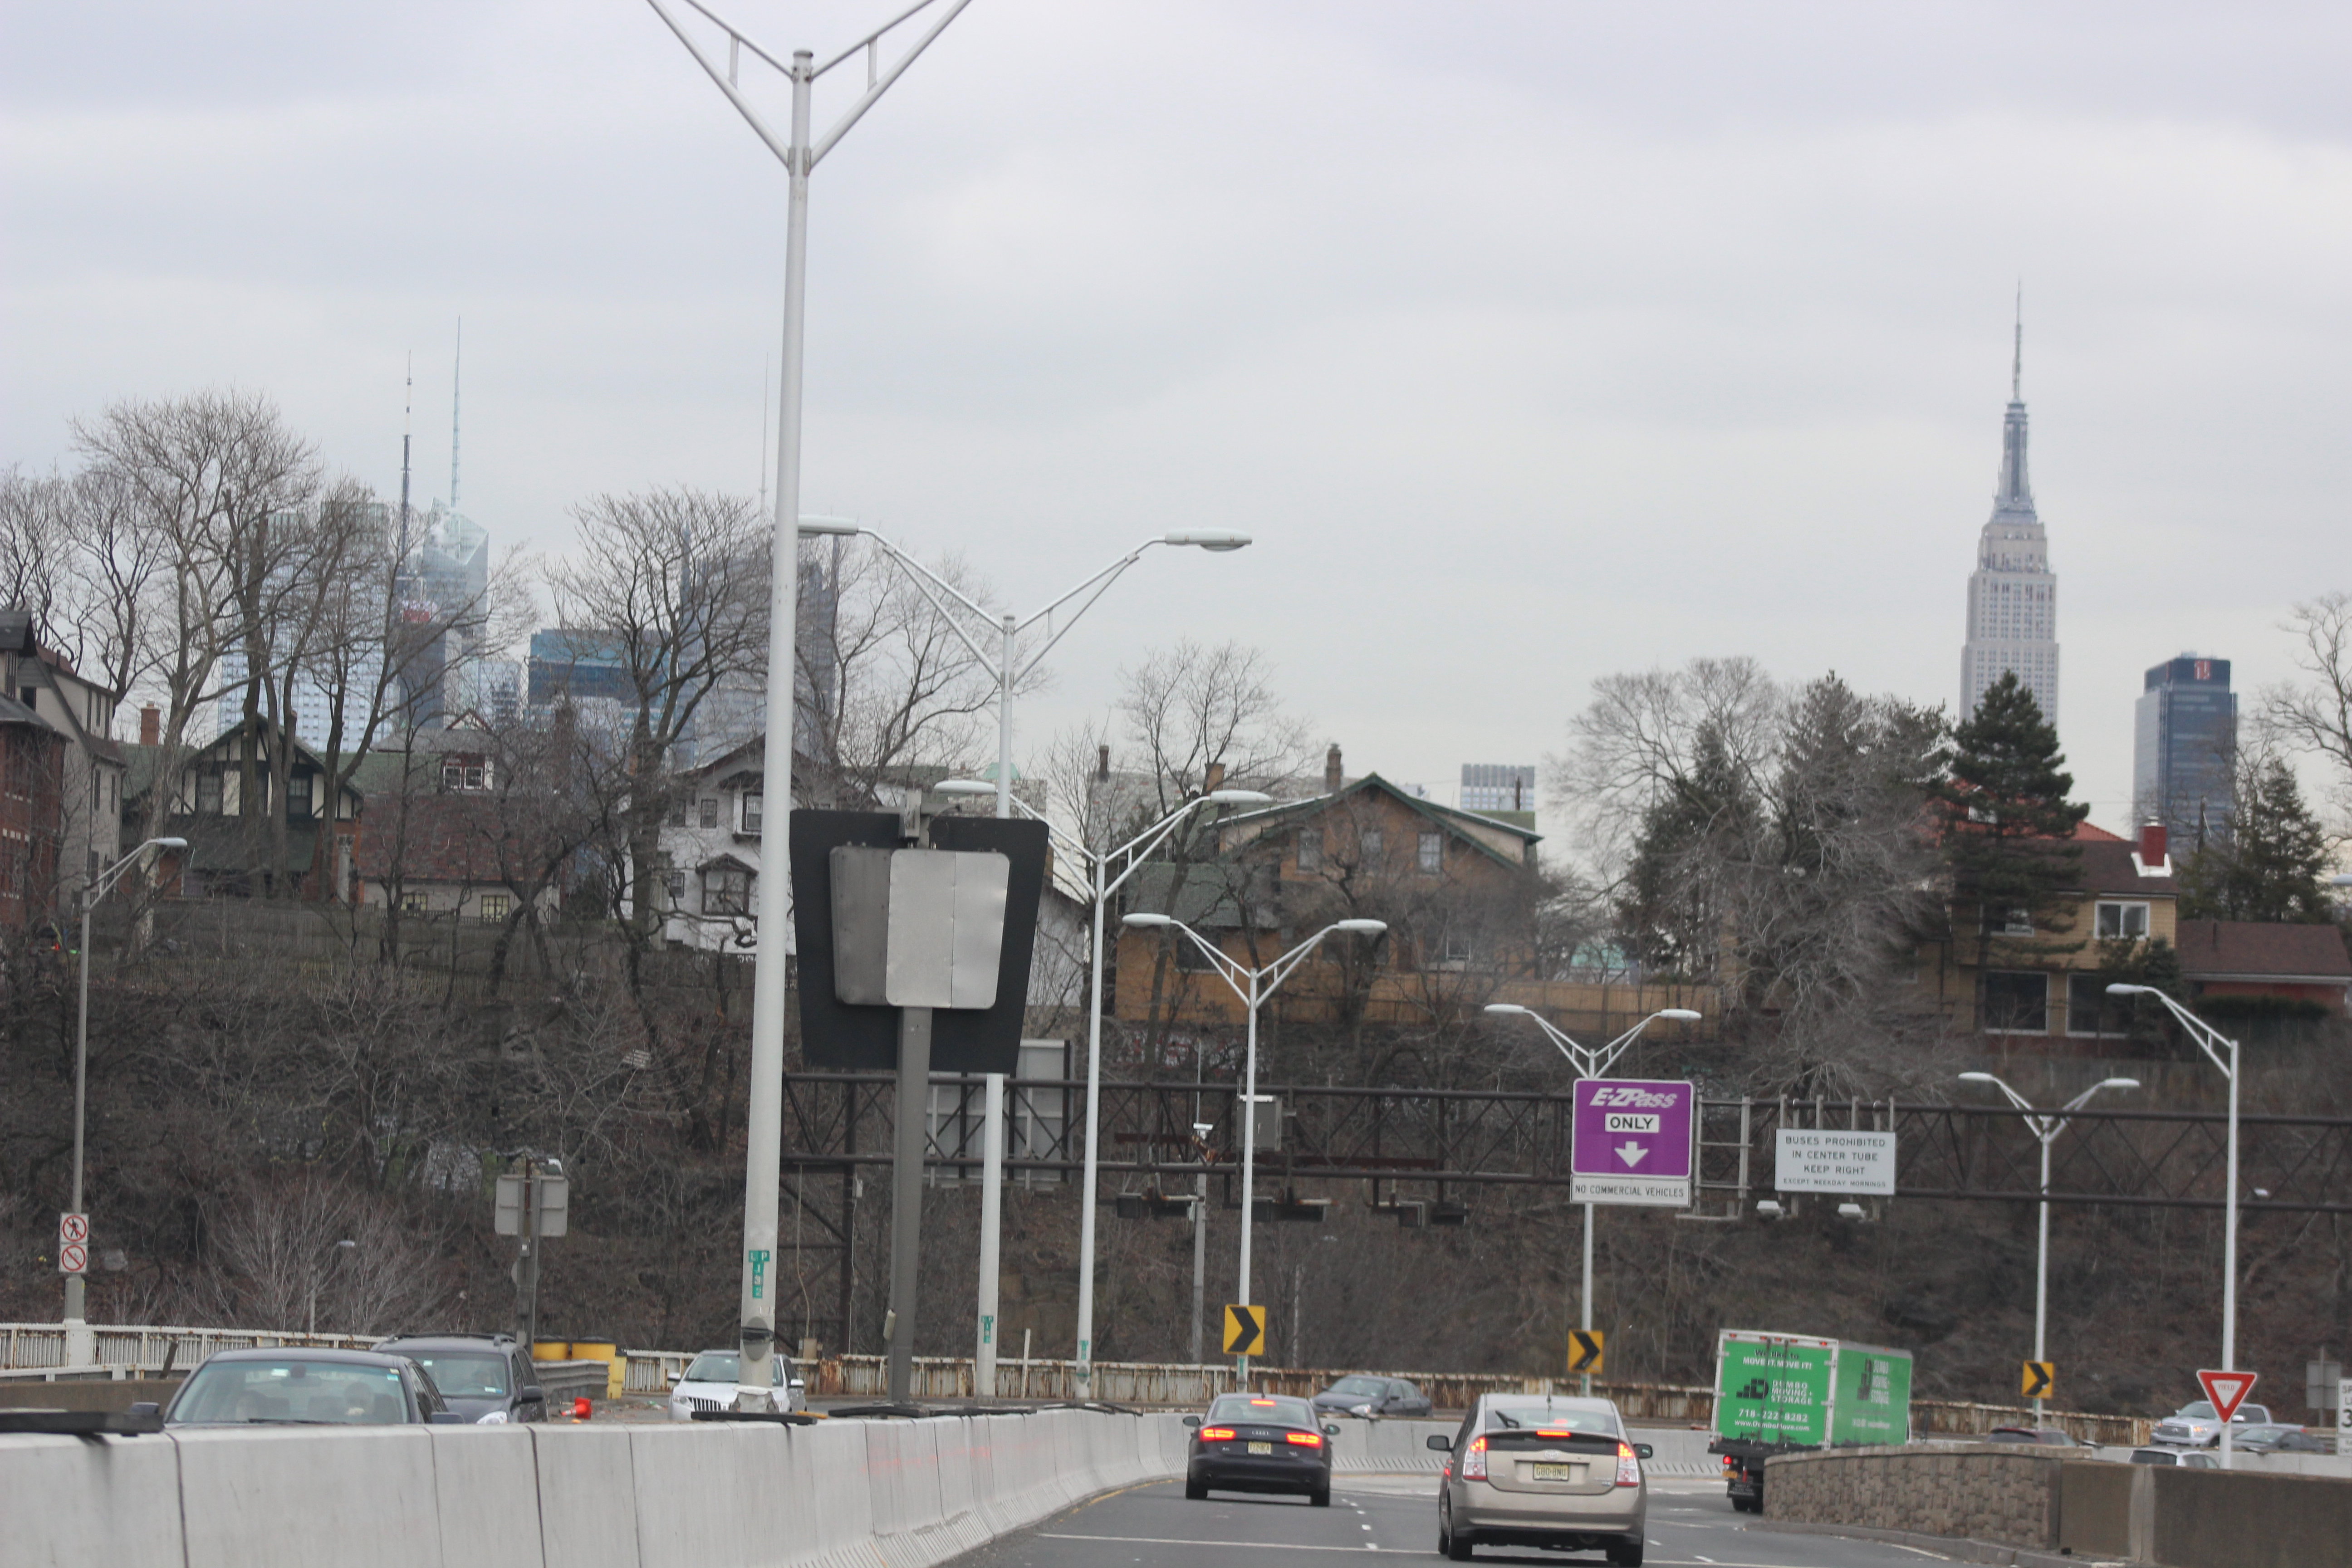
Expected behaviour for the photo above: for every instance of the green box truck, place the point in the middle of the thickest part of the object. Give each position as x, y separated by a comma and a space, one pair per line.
1774, 1393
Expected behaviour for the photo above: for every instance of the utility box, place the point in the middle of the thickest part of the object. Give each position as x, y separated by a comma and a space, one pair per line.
1810, 1392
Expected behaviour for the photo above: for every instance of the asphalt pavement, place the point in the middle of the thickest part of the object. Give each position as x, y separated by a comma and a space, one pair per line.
1690, 1522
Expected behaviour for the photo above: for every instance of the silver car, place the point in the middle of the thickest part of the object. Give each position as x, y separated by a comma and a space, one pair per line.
1543, 1470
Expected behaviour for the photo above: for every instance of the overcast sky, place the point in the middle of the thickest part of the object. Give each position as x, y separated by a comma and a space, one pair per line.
1532, 341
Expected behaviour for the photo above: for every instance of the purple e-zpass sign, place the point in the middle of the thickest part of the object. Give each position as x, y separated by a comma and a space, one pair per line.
1632, 1142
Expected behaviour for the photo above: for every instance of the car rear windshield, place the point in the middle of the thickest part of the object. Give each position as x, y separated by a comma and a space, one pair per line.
1262, 1410
1360, 1386
1529, 1415
719, 1366
464, 1375
339, 1392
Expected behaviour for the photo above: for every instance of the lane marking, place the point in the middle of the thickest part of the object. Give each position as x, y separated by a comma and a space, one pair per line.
1229, 1545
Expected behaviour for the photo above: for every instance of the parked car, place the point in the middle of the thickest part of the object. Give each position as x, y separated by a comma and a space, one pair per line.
2195, 1426
307, 1388
2278, 1439
1368, 1396
2050, 1435
1546, 1471
2173, 1456
1259, 1443
709, 1383
487, 1378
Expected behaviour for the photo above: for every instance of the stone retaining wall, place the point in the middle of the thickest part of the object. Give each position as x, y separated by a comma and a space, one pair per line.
2004, 1492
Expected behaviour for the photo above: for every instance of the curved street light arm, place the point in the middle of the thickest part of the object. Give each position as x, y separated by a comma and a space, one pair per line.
725, 79
1093, 589
2207, 1036
930, 585
878, 84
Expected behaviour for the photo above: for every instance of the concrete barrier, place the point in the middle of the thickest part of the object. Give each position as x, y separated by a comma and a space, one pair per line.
67, 1502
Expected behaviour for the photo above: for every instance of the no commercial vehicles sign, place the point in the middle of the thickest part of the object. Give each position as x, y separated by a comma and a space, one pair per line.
1632, 1142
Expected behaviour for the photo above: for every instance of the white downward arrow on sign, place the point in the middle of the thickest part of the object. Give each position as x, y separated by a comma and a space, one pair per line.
1632, 1153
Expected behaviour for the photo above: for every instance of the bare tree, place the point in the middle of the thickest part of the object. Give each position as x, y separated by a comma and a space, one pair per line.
2316, 715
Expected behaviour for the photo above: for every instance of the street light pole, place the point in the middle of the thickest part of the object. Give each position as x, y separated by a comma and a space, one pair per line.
1587, 1061
76, 1313
2209, 1040
2046, 1126
1102, 885
1252, 986
763, 1127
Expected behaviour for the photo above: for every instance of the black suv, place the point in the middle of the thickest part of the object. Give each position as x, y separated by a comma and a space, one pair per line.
487, 1378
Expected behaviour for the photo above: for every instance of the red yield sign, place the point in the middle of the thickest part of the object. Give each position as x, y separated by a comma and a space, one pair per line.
2227, 1390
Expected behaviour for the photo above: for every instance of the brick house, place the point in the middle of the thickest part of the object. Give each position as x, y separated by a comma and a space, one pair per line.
31, 791
90, 775
2231, 963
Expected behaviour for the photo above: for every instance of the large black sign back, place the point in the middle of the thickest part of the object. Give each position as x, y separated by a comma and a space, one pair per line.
843, 1037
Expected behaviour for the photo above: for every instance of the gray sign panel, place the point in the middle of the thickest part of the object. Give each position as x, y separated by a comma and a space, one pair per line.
946, 924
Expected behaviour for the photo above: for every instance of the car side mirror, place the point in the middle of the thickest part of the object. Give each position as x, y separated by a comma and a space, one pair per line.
533, 1394
146, 1407
1441, 1442
1643, 1451
1192, 1421
449, 1419
1330, 1430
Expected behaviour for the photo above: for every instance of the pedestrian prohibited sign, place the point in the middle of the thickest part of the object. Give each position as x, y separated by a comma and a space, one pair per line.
2040, 1377
73, 1244
1584, 1350
1244, 1331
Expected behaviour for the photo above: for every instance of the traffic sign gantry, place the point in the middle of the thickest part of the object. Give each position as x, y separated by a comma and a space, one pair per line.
2040, 1377
2227, 1390
1245, 1330
1585, 1351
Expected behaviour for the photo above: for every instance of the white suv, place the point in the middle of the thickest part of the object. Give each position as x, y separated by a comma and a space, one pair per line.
710, 1385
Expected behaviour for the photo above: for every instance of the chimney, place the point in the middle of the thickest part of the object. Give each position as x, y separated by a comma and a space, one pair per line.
2151, 844
150, 725
1102, 764
1335, 778
1216, 779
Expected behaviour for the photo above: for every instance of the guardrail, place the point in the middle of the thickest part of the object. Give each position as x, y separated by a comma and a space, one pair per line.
130, 1351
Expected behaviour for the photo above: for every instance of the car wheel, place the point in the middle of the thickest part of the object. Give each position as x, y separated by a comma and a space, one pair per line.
1320, 1497
1196, 1491
1454, 1546
1628, 1556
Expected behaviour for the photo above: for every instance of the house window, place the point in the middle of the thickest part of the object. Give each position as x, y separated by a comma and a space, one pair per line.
726, 889
1189, 959
2091, 1011
678, 814
1433, 854
297, 796
2009, 922
208, 795
753, 806
673, 883
1368, 840
710, 817
411, 903
1310, 849
2123, 922
465, 773
2017, 1002
497, 906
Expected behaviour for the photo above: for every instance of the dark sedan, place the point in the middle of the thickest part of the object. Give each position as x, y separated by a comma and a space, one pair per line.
2050, 1436
307, 1388
1259, 1443
2278, 1440
1361, 1394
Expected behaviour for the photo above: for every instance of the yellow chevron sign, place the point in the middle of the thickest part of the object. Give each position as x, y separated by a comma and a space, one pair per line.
2039, 1379
1584, 1350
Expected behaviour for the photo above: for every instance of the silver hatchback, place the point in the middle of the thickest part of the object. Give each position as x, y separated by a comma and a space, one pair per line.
1542, 1471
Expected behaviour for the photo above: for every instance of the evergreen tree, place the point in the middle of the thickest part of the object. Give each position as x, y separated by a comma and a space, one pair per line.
1693, 840
2271, 863
2009, 828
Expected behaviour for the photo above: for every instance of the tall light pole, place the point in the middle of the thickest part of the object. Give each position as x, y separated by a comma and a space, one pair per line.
1252, 986
1587, 1061
1004, 662
2211, 1041
95, 890
763, 1128
2046, 1126
1102, 884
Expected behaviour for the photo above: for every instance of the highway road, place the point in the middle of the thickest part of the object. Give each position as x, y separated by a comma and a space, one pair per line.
1690, 1522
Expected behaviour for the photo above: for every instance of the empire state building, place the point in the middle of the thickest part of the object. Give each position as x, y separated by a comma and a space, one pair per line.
2012, 593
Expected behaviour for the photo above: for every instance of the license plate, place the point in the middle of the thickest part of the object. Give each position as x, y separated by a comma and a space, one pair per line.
1544, 1472
1261, 1447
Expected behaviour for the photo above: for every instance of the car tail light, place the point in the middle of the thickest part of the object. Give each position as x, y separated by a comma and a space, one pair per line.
1629, 1466
1304, 1440
1217, 1433
1474, 1461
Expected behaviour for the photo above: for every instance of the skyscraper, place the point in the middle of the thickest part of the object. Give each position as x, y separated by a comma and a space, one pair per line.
2012, 593
2184, 745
